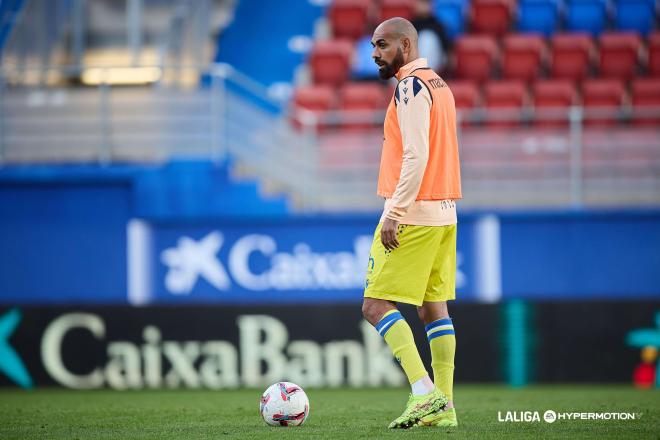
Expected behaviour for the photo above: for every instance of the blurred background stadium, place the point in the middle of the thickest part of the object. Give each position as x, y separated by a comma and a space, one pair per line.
187, 190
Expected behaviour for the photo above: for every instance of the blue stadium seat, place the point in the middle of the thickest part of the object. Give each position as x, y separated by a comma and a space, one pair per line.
452, 14
586, 16
538, 16
363, 66
9, 9
635, 15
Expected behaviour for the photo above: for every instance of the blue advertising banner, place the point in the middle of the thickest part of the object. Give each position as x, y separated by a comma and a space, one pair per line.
288, 261
90, 239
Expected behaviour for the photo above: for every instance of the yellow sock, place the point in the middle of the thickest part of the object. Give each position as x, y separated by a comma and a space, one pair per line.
398, 336
442, 339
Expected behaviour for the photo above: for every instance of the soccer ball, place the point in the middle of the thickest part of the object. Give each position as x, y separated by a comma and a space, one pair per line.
284, 404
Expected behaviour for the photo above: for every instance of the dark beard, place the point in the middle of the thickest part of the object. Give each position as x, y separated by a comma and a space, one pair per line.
389, 70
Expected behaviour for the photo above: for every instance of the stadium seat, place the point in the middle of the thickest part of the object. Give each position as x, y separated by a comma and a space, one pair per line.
586, 16
538, 16
571, 56
602, 99
363, 95
348, 18
330, 61
475, 56
491, 16
635, 15
363, 66
619, 55
451, 14
646, 98
522, 56
654, 54
466, 96
317, 99
499, 95
367, 97
397, 8
553, 95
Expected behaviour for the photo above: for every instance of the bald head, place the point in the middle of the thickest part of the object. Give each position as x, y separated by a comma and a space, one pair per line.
395, 45
398, 27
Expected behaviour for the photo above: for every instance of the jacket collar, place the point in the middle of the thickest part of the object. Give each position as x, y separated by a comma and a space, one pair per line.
408, 68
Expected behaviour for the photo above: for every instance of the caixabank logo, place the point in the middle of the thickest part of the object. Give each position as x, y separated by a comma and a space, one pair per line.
238, 264
126, 348
11, 364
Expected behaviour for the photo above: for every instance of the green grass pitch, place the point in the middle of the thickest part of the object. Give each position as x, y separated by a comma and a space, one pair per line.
335, 414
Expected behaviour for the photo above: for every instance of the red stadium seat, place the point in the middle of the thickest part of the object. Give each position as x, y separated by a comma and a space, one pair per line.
571, 56
522, 56
491, 16
397, 8
475, 56
348, 18
619, 55
602, 99
317, 99
466, 96
511, 95
367, 98
553, 95
654, 54
646, 98
330, 61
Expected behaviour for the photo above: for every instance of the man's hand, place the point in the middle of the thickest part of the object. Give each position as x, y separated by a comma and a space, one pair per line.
388, 234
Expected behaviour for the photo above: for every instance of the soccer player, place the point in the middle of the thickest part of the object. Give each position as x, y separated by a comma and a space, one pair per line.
413, 255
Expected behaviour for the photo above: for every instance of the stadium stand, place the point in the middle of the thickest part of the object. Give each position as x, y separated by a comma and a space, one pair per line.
571, 56
505, 95
475, 57
586, 16
491, 16
522, 56
8, 11
363, 67
552, 95
367, 98
317, 99
635, 15
645, 96
253, 25
538, 16
619, 55
654, 54
396, 8
466, 94
348, 18
330, 61
603, 97
452, 15
563, 62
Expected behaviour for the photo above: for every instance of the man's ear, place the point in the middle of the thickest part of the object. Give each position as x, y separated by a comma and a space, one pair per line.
405, 44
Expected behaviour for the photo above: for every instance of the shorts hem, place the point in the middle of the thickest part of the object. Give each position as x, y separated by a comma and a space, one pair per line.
391, 297
448, 298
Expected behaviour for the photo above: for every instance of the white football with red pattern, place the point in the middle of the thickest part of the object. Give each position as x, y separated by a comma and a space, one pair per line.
284, 404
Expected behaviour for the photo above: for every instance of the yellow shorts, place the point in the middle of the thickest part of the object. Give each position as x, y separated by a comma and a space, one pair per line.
421, 269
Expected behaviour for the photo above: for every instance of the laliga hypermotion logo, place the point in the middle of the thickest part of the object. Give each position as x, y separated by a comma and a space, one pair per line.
10, 362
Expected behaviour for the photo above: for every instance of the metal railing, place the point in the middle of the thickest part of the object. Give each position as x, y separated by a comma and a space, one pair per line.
230, 115
330, 162
569, 157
